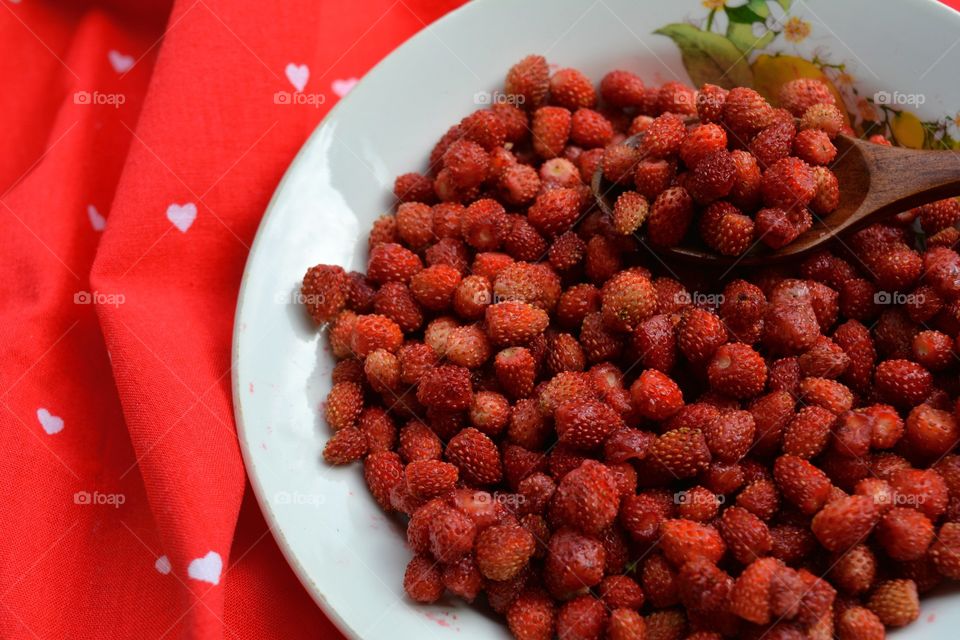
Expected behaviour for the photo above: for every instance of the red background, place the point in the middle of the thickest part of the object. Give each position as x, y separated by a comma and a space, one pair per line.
143, 387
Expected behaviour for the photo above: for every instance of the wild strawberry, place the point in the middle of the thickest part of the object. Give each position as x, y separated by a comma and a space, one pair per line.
796, 96
730, 435
681, 452
566, 252
773, 143
560, 172
859, 623
619, 163
476, 456
571, 89
683, 540
903, 383
360, 292
428, 479
513, 323
792, 544
663, 137
379, 429
343, 405
413, 187
713, 177
585, 424
854, 571
394, 301
829, 394
519, 184
629, 213
790, 325
550, 129
905, 534
746, 535
788, 184
895, 602
422, 580
737, 370
554, 211
652, 177
814, 147
670, 217
589, 129
433, 287
777, 227
383, 472
945, 550
745, 193
710, 101
823, 117
583, 617
801, 483
462, 578
750, 596
622, 89
845, 522
535, 284
655, 395
702, 586
924, 490
746, 112
528, 81
676, 97
627, 299
939, 215
564, 354
382, 371
347, 445
931, 432
701, 141
485, 128
324, 291
503, 550
390, 262
699, 334
825, 359
807, 434
587, 498
602, 259
418, 442
933, 349
726, 230
574, 561
531, 616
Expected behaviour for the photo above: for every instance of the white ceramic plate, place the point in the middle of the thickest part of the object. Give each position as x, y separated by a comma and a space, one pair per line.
347, 554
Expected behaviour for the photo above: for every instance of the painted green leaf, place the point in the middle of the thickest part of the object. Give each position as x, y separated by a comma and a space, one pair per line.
745, 14
709, 57
785, 4
760, 8
743, 38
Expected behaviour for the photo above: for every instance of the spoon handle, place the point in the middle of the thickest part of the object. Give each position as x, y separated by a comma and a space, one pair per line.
901, 179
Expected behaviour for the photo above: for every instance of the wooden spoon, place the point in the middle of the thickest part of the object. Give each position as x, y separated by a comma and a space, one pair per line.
876, 181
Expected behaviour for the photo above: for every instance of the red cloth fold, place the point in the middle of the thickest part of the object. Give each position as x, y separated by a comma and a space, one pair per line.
141, 143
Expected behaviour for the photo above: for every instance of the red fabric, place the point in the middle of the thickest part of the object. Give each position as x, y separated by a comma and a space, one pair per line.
141, 382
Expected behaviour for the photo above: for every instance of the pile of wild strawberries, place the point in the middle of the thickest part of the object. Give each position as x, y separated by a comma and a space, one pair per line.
602, 452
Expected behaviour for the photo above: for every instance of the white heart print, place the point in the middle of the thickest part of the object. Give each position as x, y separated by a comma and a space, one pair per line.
182, 215
343, 87
163, 565
207, 568
51, 424
119, 61
297, 74
97, 221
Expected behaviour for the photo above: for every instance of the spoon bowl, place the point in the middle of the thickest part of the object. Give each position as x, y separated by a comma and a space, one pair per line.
876, 182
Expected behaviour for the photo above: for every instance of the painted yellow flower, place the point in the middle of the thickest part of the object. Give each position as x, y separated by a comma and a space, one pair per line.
956, 120
796, 30
867, 110
714, 4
